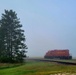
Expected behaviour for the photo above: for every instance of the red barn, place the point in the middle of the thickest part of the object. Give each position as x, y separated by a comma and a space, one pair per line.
59, 54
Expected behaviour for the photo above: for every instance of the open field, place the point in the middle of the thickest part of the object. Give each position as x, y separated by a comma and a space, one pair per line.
67, 62
38, 68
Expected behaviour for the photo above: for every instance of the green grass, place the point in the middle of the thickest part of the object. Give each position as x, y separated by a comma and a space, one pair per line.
8, 65
37, 68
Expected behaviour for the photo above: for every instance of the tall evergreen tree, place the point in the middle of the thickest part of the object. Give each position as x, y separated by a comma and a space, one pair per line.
12, 39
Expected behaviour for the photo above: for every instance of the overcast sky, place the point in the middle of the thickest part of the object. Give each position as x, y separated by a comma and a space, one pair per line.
48, 24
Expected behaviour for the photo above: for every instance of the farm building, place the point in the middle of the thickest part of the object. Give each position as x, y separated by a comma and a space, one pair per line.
58, 54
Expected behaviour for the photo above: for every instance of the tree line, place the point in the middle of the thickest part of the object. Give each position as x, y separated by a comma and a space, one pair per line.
12, 38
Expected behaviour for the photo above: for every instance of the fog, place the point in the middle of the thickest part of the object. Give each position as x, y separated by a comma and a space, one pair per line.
48, 24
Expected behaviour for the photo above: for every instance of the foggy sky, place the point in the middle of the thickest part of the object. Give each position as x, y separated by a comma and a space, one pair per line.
48, 24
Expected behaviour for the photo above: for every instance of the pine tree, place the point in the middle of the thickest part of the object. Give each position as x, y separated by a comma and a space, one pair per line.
12, 39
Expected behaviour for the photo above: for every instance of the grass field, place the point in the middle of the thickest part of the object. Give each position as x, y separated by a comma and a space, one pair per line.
36, 68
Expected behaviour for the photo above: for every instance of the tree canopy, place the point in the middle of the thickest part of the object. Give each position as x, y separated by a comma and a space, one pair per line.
12, 38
